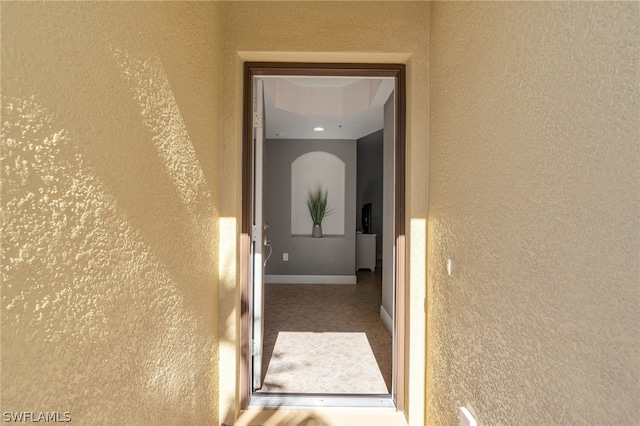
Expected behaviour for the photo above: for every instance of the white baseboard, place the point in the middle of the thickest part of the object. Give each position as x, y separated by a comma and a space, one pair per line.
310, 279
386, 319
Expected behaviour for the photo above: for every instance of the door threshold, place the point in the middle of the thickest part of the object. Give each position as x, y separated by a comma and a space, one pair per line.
284, 400
278, 416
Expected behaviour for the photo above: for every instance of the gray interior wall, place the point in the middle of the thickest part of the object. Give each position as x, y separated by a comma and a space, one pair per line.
333, 255
369, 184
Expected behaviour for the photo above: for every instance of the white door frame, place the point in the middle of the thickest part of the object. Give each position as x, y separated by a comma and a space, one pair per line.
256, 299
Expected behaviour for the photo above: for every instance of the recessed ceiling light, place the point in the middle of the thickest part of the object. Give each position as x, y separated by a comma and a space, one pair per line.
318, 129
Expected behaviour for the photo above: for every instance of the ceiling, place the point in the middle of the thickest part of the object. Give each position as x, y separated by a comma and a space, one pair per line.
347, 108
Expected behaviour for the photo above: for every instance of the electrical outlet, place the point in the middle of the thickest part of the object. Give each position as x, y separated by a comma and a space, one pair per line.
285, 257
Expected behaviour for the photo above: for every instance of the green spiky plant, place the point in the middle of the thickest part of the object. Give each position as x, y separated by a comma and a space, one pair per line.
317, 205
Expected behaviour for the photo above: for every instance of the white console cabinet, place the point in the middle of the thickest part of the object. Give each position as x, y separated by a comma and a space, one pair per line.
366, 251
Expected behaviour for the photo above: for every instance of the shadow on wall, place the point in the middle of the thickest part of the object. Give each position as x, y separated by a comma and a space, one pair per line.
109, 222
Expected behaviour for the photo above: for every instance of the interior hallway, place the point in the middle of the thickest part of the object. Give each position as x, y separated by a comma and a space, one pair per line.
323, 338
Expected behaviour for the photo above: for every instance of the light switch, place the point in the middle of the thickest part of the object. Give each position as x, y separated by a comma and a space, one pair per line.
449, 266
285, 257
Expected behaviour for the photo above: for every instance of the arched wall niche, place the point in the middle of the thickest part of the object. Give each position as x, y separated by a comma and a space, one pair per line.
308, 172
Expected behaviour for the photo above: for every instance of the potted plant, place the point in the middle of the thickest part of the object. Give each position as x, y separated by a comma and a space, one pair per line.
318, 209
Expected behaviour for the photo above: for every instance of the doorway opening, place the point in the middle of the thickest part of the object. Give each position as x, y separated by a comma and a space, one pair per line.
310, 270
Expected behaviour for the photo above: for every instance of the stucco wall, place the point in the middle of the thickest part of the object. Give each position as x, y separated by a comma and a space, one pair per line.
331, 32
110, 132
534, 195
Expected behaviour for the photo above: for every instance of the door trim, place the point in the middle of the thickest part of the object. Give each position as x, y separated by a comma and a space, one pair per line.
253, 69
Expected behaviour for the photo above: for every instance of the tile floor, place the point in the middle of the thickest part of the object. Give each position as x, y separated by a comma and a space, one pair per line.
326, 338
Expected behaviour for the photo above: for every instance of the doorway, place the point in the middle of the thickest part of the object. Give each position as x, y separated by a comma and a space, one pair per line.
255, 243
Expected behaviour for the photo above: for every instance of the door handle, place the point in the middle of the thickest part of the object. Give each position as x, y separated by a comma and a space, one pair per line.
267, 243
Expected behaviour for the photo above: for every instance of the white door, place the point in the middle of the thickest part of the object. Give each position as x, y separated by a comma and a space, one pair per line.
258, 239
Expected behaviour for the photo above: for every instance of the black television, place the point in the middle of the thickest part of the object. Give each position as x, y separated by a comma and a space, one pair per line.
366, 218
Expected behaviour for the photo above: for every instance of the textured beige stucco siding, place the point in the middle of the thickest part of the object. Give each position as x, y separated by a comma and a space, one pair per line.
110, 133
534, 195
121, 204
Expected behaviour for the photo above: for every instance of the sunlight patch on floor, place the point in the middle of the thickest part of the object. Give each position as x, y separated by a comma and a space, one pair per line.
310, 362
